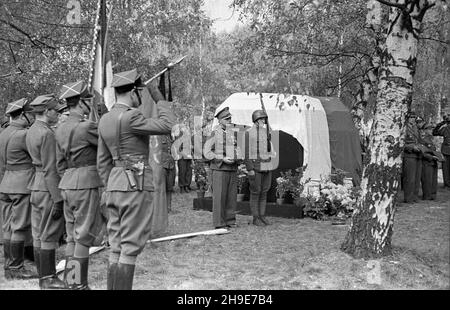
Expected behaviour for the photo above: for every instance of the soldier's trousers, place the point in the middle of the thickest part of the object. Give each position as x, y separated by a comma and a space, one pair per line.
129, 224
446, 170
224, 184
259, 186
429, 179
45, 230
83, 215
170, 179
412, 171
184, 172
16, 214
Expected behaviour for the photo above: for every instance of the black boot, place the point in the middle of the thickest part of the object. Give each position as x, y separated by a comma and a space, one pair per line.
49, 280
29, 253
257, 221
124, 277
16, 267
83, 262
111, 276
262, 209
254, 209
7, 257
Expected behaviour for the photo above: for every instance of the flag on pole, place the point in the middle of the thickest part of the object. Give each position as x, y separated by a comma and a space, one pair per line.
100, 73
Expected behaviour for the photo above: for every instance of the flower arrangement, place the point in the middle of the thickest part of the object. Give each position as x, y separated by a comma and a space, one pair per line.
201, 176
330, 199
291, 182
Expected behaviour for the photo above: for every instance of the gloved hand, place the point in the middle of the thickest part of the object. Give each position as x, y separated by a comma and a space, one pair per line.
57, 210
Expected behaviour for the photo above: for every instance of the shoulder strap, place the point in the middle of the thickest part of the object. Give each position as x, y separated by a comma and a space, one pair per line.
68, 153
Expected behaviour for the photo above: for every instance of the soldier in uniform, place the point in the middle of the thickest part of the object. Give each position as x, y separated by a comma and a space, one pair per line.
443, 129
76, 154
47, 218
168, 163
4, 122
430, 158
185, 165
224, 172
16, 172
412, 165
259, 174
123, 165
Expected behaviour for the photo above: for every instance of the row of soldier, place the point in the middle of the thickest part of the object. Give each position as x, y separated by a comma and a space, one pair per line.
83, 174
421, 158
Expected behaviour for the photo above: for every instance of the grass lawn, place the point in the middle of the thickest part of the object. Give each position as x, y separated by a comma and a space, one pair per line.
290, 254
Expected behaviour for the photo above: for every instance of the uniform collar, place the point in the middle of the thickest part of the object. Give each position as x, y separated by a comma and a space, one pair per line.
41, 123
18, 124
76, 115
120, 105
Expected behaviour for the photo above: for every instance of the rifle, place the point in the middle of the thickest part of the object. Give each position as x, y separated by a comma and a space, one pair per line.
267, 120
168, 67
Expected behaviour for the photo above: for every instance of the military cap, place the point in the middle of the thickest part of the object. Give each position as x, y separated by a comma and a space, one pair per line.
223, 114
258, 114
16, 106
61, 107
127, 78
75, 89
43, 102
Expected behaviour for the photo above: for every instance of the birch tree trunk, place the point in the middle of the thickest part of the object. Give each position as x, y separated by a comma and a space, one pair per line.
372, 222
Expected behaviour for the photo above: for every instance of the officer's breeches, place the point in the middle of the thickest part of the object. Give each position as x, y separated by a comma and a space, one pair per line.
259, 186
129, 224
224, 184
16, 213
45, 230
83, 215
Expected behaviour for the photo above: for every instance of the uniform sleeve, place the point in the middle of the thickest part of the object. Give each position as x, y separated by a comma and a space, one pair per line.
92, 133
48, 157
153, 126
61, 163
104, 161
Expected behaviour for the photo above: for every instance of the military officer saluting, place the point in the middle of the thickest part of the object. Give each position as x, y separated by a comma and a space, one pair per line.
16, 171
47, 222
76, 154
123, 165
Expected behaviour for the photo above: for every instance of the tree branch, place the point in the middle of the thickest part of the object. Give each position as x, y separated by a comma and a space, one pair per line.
400, 6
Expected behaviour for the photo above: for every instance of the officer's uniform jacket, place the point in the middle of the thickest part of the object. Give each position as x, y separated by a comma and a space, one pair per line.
134, 143
16, 169
216, 150
41, 145
77, 166
412, 139
443, 129
429, 151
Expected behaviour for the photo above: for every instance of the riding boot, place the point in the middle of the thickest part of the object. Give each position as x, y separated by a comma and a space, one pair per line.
7, 257
29, 253
262, 210
49, 280
16, 267
111, 276
81, 282
124, 277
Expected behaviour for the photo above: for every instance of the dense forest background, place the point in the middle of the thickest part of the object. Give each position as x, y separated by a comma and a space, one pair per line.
318, 48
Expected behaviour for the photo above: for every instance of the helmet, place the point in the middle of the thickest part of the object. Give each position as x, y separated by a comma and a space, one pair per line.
258, 114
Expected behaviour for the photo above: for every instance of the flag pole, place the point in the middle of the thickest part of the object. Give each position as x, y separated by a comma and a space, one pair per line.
169, 66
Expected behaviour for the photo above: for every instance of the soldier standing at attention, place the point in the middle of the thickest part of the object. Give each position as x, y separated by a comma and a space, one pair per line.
76, 154
412, 164
123, 165
47, 218
224, 172
259, 171
443, 129
16, 172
